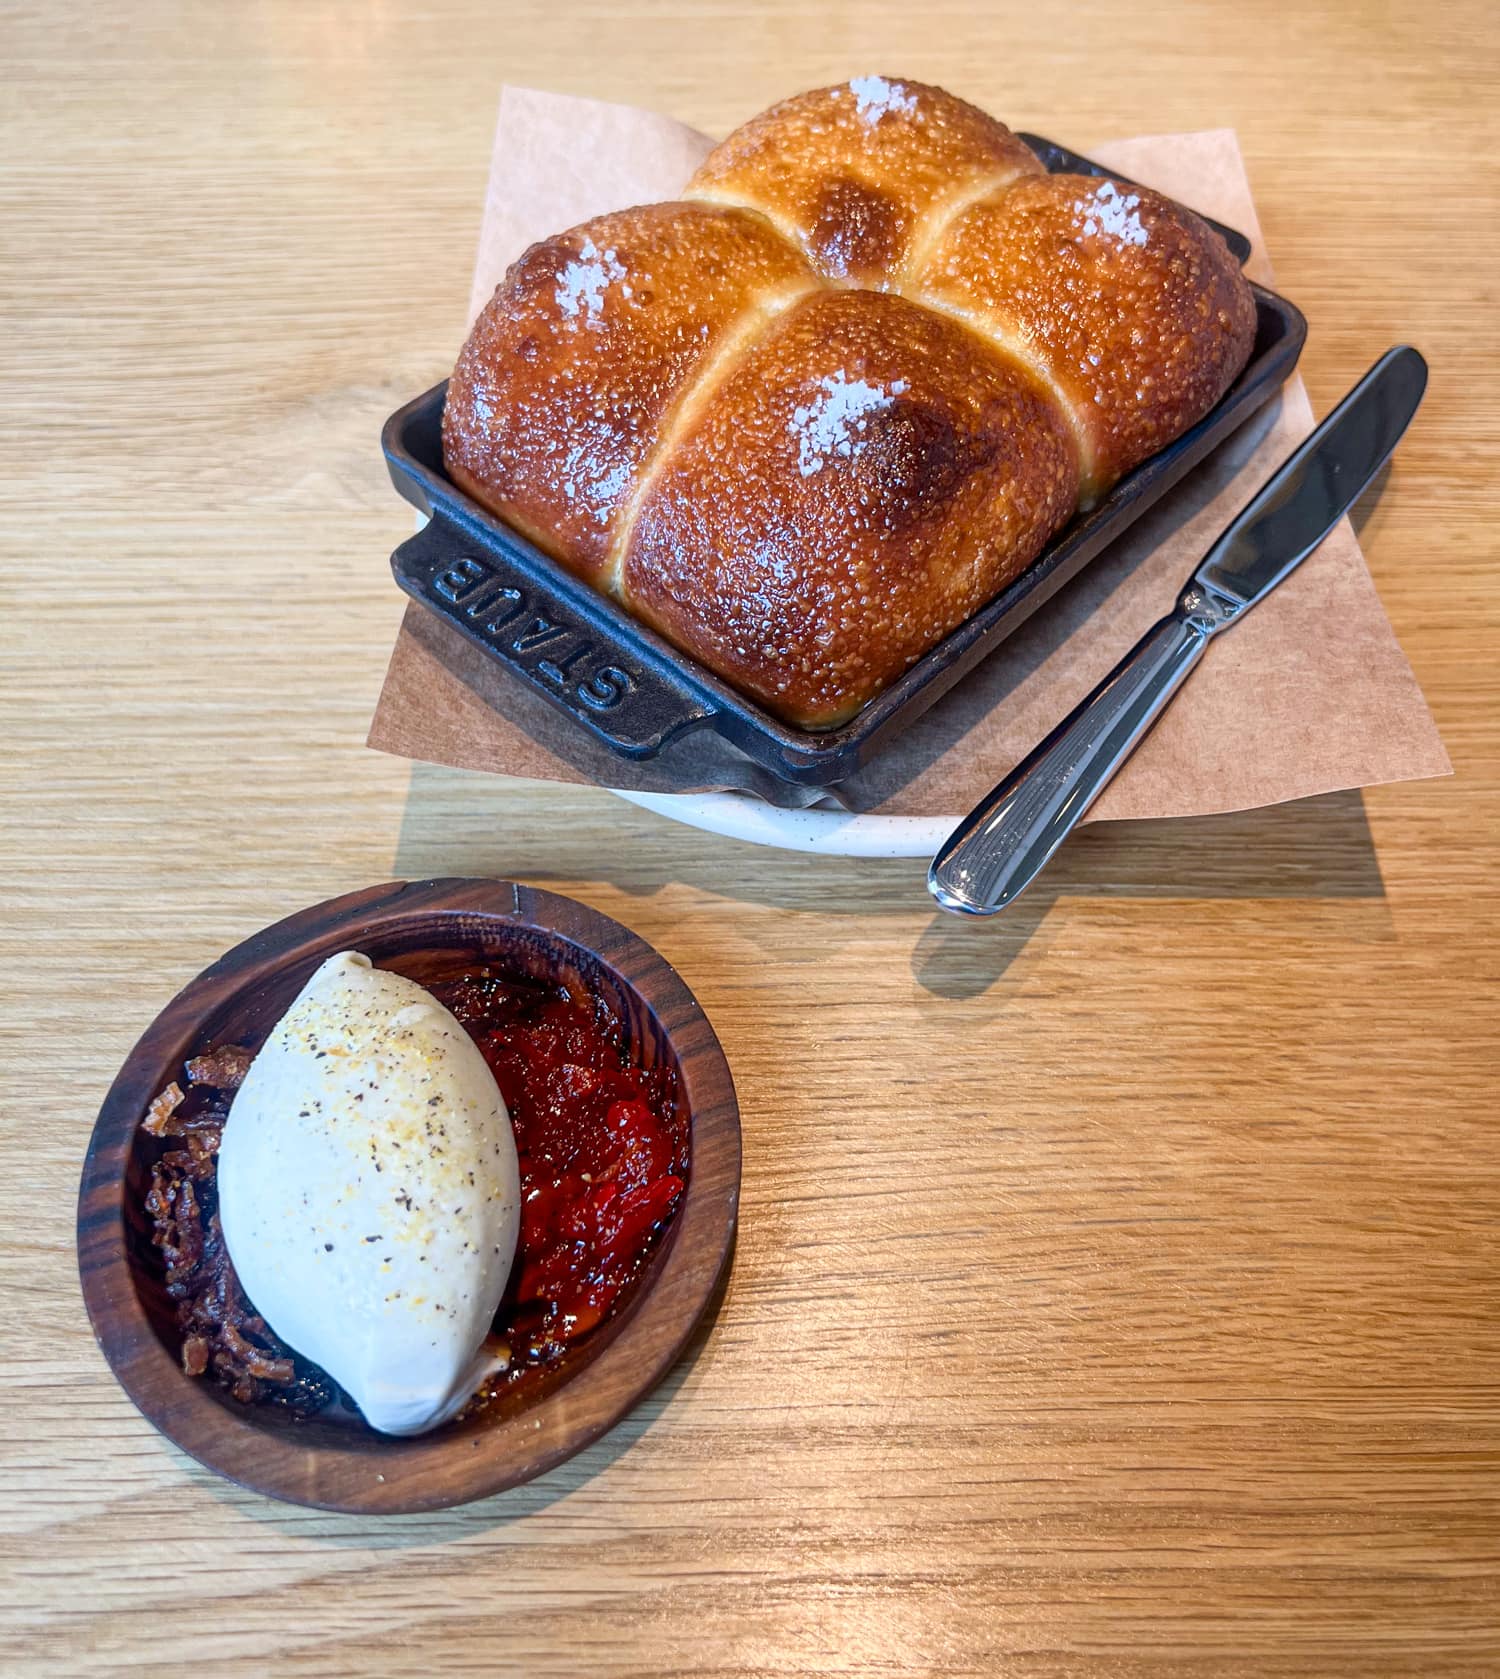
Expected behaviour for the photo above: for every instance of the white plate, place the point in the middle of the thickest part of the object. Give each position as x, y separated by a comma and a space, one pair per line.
835, 833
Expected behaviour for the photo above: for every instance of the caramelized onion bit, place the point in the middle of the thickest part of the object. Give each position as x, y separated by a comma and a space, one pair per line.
223, 1338
223, 1067
257, 1363
159, 1114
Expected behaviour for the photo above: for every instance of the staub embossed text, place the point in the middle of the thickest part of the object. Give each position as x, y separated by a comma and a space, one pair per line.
546, 645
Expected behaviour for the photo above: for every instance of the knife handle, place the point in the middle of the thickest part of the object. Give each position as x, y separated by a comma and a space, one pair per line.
1000, 847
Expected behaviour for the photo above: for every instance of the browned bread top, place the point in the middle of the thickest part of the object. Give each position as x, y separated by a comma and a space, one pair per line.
808, 419
854, 173
867, 475
1127, 301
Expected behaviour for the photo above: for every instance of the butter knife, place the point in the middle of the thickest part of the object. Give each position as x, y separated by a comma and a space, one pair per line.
1002, 845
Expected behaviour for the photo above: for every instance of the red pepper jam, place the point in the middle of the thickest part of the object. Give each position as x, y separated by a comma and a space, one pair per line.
603, 1154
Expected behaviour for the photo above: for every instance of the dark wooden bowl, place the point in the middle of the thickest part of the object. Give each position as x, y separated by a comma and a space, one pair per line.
418, 927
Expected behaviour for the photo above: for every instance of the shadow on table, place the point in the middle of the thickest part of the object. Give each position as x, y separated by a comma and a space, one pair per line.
1318, 849
456, 822
435, 1527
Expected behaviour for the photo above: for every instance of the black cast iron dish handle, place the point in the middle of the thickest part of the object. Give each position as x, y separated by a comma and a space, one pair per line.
546, 639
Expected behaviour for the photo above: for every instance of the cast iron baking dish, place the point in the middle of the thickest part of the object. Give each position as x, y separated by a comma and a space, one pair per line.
635, 692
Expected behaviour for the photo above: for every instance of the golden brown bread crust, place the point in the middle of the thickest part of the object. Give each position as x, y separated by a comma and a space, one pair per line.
805, 485
1133, 305
563, 386
853, 172
864, 479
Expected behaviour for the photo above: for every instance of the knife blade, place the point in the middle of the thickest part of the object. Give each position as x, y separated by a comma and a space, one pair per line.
1005, 841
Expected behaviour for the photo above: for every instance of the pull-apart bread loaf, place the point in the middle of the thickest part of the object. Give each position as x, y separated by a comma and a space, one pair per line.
807, 420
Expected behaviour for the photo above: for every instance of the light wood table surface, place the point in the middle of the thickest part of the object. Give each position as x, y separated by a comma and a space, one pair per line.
1118, 1285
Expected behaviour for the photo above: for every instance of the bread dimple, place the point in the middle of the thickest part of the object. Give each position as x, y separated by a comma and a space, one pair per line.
570, 371
867, 475
1135, 305
855, 173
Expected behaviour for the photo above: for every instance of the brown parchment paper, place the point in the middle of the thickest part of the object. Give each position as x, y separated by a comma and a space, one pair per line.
1308, 694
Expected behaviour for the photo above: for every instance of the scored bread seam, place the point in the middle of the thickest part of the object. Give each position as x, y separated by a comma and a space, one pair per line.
784, 230
942, 215
1014, 346
748, 327
938, 221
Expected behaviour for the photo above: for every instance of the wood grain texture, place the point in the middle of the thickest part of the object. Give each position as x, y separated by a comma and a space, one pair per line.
430, 931
1117, 1289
